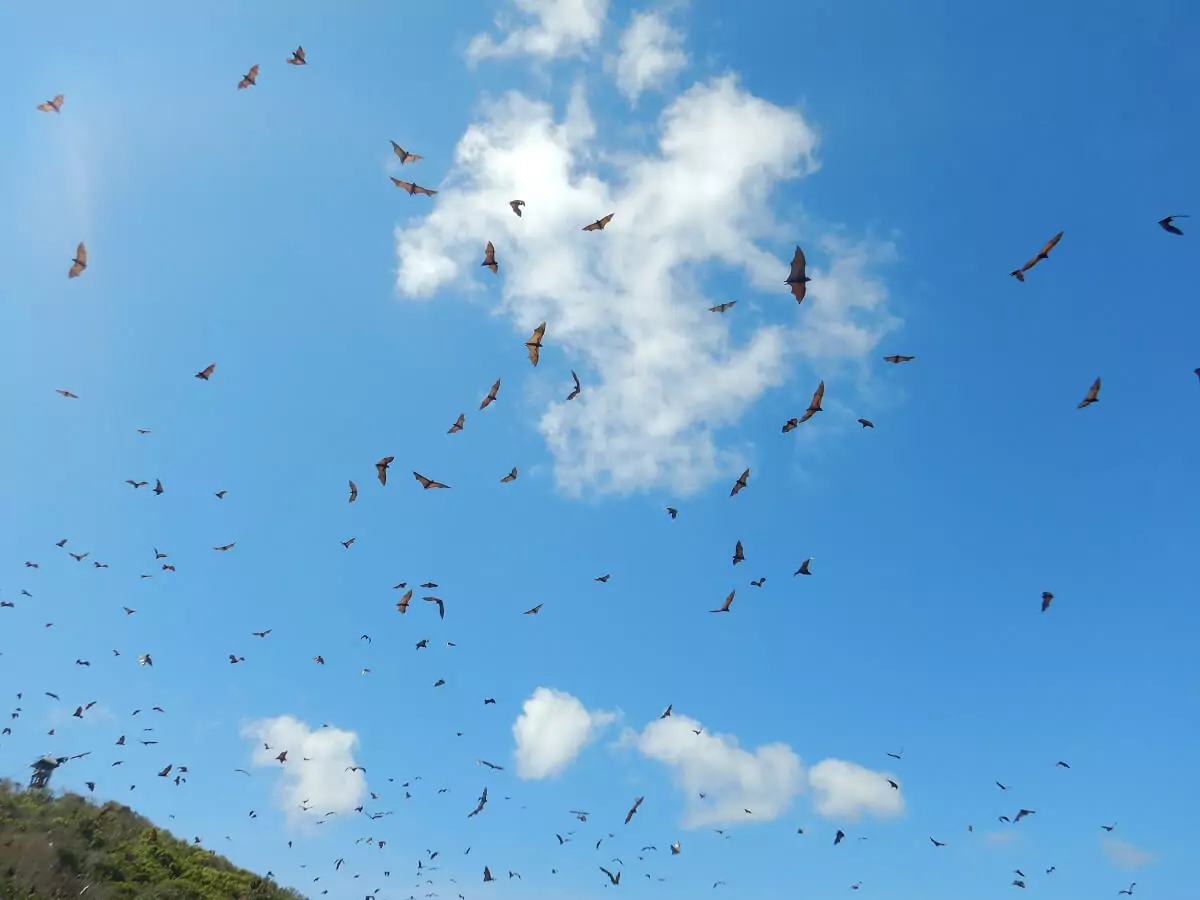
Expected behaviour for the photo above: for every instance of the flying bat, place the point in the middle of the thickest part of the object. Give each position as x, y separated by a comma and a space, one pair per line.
404, 155
54, 105
534, 345
738, 554
721, 307
428, 483
599, 224
815, 406
381, 468
206, 373
636, 804
1044, 253
516, 206
728, 603
511, 476
1093, 395
797, 278
898, 359
250, 78
402, 603
1164, 223
491, 395
740, 484
575, 391
297, 58
458, 424
866, 423
67, 394
353, 492
79, 263
1047, 599
412, 189
489, 258
803, 570
441, 605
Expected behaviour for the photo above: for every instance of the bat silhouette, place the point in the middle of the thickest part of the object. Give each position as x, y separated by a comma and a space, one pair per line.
79, 263
803, 570
441, 605
1164, 223
636, 804
721, 307
1044, 253
725, 606
206, 373
672, 512
738, 555
533, 612
412, 189
516, 206
54, 105
534, 345
1093, 395
297, 58
511, 476
866, 423
353, 492
381, 468
814, 407
402, 603
797, 278
1047, 599
67, 394
599, 224
615, 879
428, 483
741, 483
898, 359
575, 391
404, 155
250, 78
489, 258
491, 395
458, 424
224, 547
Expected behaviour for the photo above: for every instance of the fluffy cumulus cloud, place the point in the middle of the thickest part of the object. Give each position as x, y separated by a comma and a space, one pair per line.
627, 307
316, 772
551, 730
1125, 855
846, 790
733, 779
560, 28
651, 52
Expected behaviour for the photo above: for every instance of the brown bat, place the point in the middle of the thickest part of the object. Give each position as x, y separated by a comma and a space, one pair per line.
866, 423
738, 555
458, 424
428, 483
489, 258
1165, 224
599, 224
636, 803
79, 263
206, 373
603, 579
728, 603
404, 155
250, 78
67, 394
1047, 599
412, 188
381, 468
797, 279
491, 395
54, 105
224, 547
574, 391
721, 307
740, 484
402, 603
815, 406
347, 543
511, 476
297, 58
533, 612
516, 206
1093, 395
803, 570
1044, 253
898, 359
534, 345
353, 492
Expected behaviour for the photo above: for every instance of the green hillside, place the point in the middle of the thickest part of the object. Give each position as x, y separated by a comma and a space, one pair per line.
56, 846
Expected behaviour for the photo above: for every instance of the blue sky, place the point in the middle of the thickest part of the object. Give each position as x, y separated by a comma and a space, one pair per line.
919, 155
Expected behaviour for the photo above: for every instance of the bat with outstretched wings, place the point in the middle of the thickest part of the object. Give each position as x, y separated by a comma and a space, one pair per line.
79, 263
721, 307
511, 476
534, 345
353, 492
491, 395
297, 58
516, 205
249, 79
381, 468
575, 390
797, 280
898, 359
1044, 253
404, 155
815, 406
412, 189
54, 105
599, 224
1093, 395
1166, 223
402, 603
206, 373
458, 424
740, 484
489, 258
428, 483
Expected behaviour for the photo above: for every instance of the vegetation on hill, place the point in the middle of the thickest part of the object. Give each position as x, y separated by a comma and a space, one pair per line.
58, 846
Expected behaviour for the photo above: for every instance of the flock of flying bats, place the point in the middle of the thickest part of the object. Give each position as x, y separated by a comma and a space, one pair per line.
796, 281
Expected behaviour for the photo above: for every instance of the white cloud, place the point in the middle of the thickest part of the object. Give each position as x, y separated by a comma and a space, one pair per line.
316, 767
551, 730
733, 779
627, 306
651, 52
562, 28
846, 790
1125, 855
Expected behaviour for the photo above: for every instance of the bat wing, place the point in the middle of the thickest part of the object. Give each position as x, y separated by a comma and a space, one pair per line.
417, 189
603, 222
425, 482
404, 185
1050, 245
797, 273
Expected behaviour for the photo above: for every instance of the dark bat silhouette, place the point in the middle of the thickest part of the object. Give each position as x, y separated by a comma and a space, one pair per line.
458, 424
491, 395
381, 468
738, 555
511, 476
534, 345
516, 206
724, 607
441, 605
353, 492
740, 484
54, 105
839, 837
67, 394
797, 279
297, 58
250, 78
1164, 223
898, 359
599, 224
1047, 599
636, 804
1044, 253
575, 391
803, 570
866, 423
206, 373
721, 307
1093, 395
79, 263
404, 155
615, 879
534, 611
412, 189
428, 483
672, 512
489, 258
